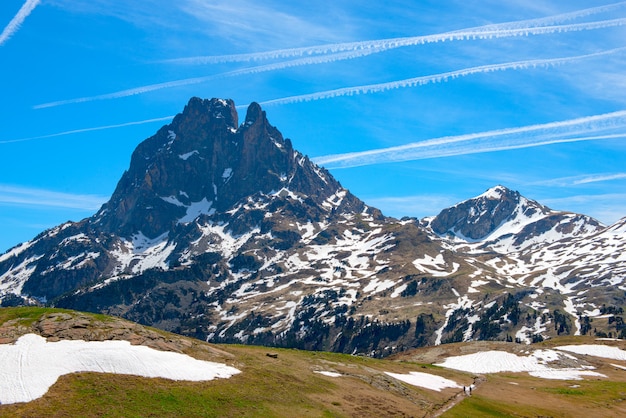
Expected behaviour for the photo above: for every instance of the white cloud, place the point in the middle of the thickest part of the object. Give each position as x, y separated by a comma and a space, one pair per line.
17, 20
41, 198
257, 23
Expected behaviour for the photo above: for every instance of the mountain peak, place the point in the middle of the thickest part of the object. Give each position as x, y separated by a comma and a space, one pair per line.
497, 193
476, 218
217, 109
254, 113
203, 163
505, 220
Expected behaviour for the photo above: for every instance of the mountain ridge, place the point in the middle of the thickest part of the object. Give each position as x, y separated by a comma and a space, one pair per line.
226, 233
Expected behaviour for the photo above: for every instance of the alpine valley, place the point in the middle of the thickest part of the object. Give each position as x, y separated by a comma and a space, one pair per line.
223, 232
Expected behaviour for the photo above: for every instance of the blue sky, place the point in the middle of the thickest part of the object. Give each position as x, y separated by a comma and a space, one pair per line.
412, 105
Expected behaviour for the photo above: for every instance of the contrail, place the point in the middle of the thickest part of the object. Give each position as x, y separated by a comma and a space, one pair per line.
600, 177
39, 197
573, 130
436, 78
517, 28
17, 20
372, 48
202, 79
98, 128
373, 88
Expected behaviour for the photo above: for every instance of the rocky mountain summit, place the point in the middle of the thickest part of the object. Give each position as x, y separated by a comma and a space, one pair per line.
503, 219
224, 232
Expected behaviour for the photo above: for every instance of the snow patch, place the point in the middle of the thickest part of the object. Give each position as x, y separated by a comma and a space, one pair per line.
196, 209
186, 155
227, 174
32, 365
596, 350
425, 380
435, 266
329, 374
536, 364
142, 253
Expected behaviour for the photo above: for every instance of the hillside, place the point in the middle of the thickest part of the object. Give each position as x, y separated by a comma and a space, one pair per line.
291, 382
223, 231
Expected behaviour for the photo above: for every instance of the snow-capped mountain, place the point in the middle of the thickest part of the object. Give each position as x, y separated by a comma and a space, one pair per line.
223, 231
503, 220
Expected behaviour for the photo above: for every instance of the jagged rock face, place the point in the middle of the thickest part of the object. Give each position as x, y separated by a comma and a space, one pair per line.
226, 233
204, 163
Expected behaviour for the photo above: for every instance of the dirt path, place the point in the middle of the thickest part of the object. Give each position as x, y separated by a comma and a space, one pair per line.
453, 401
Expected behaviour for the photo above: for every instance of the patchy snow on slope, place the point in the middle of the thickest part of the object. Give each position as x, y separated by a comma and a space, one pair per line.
425, 380
32, 365
435, 266
463, 302
376, 286
17, 250
78, 261
216, 238
524, 333
335, 200
13, 279
142, 253
398, 291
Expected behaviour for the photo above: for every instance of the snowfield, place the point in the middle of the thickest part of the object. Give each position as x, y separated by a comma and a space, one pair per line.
596, 350
537, 363
32, 365
423, 380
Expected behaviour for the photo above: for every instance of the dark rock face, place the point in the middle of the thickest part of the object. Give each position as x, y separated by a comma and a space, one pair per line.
202, 158
501, 213
201, 169
477, 218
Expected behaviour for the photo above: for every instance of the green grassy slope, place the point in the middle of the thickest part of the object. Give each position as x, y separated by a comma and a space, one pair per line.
288, 384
